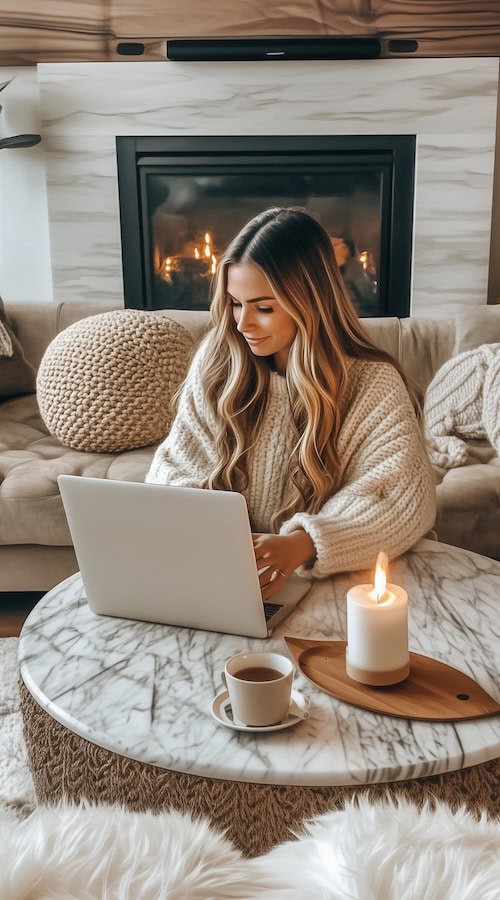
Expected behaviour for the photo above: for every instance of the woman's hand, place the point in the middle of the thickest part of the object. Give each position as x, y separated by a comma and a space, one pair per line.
278, 555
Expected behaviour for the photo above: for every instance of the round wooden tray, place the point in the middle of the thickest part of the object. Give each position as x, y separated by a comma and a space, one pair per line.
432, 691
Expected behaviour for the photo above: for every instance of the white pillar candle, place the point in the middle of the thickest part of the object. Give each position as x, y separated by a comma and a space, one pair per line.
377, 631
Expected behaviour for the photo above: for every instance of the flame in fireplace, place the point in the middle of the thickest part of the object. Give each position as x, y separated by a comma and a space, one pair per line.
367, 260
198, 258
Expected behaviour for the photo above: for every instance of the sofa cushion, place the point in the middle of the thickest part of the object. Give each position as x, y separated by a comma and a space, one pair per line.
468, 512
31, 510
16, 374
476, 325
106, 382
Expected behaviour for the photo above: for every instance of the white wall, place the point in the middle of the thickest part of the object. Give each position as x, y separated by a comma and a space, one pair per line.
25, 259
449, 103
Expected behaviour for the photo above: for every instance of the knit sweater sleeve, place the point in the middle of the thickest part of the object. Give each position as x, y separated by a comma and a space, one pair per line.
187, 456
387, 497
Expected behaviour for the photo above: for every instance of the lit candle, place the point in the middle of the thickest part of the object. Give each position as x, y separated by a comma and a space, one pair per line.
377, 630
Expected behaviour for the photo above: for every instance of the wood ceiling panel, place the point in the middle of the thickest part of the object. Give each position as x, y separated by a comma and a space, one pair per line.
222, 18
28, 46
87, 16
55, 31
89, 30
404, 15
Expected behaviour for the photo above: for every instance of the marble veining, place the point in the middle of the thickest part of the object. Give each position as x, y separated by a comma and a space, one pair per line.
144, 690
453, 176
400, 96
450, 104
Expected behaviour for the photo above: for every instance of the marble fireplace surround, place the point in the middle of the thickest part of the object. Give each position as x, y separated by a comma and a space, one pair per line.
450, 104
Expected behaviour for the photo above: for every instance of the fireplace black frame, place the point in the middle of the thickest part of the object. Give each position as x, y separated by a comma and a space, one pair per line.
394, 153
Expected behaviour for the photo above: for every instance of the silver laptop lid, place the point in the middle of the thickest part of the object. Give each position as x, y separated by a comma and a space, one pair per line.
179, 556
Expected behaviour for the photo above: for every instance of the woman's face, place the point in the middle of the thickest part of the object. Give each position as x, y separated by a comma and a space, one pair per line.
267, 328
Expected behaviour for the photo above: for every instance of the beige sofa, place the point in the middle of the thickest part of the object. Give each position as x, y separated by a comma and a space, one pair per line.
35, 545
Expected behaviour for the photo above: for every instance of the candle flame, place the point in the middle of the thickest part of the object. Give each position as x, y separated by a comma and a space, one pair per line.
380, 575
196, 253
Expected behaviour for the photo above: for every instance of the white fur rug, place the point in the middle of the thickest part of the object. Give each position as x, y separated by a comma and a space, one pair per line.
16, 787
390, 852
366, 852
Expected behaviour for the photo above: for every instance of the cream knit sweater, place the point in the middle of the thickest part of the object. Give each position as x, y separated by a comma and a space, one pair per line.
387, 498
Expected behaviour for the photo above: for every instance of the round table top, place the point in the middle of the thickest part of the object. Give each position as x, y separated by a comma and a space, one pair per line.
145, 690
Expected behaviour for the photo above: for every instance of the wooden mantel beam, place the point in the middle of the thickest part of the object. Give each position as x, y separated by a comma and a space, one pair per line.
90, 30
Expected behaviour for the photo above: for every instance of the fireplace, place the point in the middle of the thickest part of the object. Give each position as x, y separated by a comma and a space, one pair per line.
182, 199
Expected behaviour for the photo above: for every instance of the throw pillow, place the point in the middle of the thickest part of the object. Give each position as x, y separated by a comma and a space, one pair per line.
17, 376
106, 382
476, 325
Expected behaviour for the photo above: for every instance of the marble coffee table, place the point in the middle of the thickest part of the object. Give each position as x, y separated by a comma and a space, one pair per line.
103, 694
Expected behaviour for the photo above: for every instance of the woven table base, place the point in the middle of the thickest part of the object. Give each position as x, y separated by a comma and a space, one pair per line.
254, 816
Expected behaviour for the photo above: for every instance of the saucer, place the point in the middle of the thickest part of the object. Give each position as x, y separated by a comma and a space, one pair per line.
221, 710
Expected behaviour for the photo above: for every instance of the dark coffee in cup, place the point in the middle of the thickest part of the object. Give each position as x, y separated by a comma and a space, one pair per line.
259, 684
258, 673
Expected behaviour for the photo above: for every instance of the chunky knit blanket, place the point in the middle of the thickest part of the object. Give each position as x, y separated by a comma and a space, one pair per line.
462, 403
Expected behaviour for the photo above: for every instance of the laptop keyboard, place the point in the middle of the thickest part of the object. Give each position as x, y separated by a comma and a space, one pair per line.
270, 609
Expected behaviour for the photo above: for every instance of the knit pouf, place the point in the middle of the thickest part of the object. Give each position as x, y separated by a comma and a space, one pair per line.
106, 382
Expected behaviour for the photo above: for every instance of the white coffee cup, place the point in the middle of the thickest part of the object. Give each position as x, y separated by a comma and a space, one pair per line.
259, 685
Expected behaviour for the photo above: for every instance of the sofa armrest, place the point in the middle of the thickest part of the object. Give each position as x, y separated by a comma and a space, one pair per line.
34, 325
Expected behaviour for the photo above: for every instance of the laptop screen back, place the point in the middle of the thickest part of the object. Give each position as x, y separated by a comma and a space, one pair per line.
180, 556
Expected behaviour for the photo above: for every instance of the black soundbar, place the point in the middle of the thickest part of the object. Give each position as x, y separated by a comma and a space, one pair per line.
252, 49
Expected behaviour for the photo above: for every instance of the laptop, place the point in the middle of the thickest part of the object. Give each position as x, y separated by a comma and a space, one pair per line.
173, 555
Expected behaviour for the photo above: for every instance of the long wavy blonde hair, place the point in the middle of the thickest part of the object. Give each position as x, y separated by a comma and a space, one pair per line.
296, 255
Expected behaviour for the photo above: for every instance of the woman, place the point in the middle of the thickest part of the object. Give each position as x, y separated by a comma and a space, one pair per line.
289, 402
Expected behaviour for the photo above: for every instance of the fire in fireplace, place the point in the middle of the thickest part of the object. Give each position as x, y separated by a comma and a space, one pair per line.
183, 199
